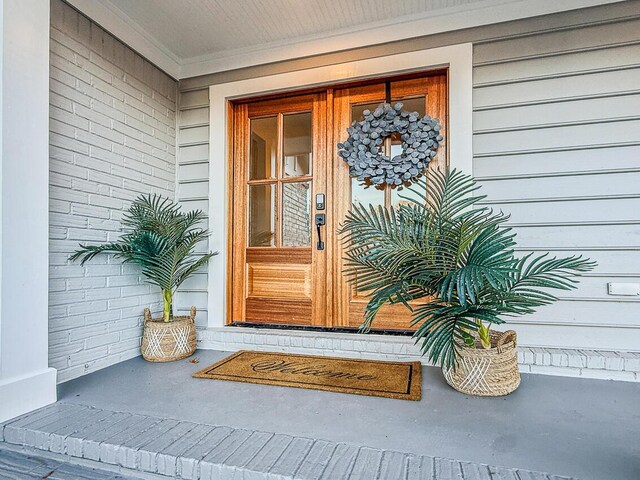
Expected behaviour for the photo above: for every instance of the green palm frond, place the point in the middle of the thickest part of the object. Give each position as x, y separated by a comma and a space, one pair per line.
442, 245
153, 213
448, 194
442, 327
191, 266
536, 273
87, 252
488, 257
158, 237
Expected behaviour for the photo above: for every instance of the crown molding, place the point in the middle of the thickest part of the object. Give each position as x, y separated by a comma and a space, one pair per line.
487, 12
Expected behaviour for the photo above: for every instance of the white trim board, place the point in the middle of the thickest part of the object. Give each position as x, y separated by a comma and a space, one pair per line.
458, 58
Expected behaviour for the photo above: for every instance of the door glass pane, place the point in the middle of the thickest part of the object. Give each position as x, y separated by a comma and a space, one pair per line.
356, 110
410, 105
413, 104
296, 214
262, 219
366, 196
297, 144
396, 200
263, 148
360, 194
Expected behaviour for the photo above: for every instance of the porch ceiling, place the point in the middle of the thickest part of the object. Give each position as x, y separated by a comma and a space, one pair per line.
194, 37
193, 28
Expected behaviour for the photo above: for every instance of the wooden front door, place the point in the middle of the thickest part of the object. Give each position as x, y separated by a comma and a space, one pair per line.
426, 95
278, 276
284, 154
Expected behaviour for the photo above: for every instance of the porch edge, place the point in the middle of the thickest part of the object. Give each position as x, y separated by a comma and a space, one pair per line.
54, 432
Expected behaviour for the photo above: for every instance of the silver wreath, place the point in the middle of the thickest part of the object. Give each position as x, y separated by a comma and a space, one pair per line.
361, 151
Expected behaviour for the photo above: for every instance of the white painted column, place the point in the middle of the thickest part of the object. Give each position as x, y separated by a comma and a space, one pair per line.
26, 381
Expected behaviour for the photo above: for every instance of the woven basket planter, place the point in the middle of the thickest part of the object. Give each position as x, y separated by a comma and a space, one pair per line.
487, 372
168, 341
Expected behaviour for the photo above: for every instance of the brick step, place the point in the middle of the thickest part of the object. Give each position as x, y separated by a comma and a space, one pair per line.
151, 447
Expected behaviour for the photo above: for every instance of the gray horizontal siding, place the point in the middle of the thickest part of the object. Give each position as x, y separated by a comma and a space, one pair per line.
193, 184
577, 161
557, 144
558, 89
583, 111
604, 185
590, 34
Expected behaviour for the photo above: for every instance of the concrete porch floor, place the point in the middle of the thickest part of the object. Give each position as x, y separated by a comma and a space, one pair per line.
582, 428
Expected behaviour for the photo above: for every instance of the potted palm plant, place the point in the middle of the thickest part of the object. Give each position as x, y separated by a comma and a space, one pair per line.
452, 263
161, 239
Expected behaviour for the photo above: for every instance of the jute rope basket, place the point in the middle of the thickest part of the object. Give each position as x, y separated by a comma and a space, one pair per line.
168, 341
492, 372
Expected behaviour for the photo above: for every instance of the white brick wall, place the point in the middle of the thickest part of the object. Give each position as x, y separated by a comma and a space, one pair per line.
112, 130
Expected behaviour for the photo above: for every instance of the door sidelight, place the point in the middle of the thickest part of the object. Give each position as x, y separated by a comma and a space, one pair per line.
320, 220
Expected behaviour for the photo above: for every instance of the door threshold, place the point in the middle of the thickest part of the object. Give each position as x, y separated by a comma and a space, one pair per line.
316, 328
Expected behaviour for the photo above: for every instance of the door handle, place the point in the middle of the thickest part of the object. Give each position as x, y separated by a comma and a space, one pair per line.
320, 220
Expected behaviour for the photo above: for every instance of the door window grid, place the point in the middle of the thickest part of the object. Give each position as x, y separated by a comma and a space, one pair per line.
288, 173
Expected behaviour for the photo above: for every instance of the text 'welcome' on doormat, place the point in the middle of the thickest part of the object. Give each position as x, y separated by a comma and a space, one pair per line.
401, 380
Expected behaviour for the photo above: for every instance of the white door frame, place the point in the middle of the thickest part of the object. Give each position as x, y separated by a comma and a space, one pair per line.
457, 58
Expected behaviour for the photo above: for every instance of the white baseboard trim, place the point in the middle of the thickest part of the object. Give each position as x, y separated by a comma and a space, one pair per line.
605, 365
22, 394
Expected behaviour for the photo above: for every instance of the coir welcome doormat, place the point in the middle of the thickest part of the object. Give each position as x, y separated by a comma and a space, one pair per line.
400, 380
